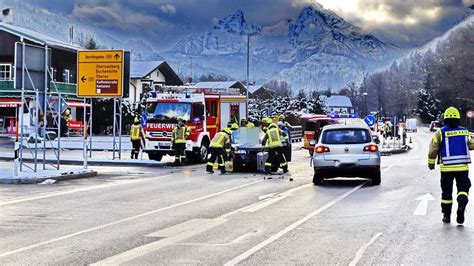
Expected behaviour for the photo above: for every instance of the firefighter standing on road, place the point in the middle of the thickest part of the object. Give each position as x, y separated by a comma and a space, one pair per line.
180, 133
451, 144
135, 137
276, 156
217, 150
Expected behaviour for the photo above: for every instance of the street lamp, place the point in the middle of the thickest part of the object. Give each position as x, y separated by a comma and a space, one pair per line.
248, 65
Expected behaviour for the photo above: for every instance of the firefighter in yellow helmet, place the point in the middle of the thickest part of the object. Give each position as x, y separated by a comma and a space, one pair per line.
276, 156
266, 121
246, 123
451, 145
135, 138
180, 134
217, 150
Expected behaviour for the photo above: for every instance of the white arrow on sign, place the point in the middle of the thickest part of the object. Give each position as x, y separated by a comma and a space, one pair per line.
423, 206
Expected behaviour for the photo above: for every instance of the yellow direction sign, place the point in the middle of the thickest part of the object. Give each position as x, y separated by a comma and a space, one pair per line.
100, 73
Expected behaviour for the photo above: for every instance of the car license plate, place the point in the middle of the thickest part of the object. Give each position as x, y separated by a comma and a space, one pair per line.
165, 144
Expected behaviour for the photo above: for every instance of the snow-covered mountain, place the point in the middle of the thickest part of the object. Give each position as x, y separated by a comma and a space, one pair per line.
57, 25
316, 50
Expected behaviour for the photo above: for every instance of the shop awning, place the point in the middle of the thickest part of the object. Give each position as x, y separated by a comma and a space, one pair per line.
9, 102
76, 104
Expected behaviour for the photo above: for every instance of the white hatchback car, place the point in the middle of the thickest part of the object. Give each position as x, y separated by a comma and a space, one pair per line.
346, 151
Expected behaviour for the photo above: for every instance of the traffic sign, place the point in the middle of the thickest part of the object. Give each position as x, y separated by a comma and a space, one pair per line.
470, 114
100, 73
370, 120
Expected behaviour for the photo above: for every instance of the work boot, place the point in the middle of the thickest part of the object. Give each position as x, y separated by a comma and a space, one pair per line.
446, 218
460, 215
209, 169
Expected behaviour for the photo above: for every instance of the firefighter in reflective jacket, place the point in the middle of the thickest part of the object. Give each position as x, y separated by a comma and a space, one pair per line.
276, 155
451, 144
180, 133
135, 137
218, 150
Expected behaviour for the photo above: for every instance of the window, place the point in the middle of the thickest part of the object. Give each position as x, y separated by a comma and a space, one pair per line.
346, 136
5, 71
67, 75
211, 108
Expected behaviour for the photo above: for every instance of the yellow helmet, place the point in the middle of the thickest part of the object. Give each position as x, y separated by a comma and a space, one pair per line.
234, 126
267, 120
227, 130
136, 120
282, 117
452, 112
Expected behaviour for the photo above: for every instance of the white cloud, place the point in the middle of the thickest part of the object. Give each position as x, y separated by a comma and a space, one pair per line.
168, 9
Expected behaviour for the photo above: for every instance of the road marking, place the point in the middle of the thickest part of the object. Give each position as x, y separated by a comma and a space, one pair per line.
291, 227
185, 230
172, 235
362, 250
422, 207
269, 200
76, 190
125, 220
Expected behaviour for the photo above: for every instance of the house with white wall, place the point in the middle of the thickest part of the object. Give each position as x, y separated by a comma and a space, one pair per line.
145, 76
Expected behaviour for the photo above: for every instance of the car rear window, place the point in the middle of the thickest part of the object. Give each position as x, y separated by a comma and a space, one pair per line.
346, 136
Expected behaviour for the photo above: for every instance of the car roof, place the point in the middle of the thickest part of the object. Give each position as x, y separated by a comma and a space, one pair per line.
342, 126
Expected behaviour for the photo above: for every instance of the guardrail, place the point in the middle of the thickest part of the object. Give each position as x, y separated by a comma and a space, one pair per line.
296, 133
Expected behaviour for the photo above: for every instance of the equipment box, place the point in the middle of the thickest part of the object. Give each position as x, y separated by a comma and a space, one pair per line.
262, 157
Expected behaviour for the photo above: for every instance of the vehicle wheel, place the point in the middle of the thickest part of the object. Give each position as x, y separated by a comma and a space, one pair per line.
200, 155
155, 156
317, 179
376, 178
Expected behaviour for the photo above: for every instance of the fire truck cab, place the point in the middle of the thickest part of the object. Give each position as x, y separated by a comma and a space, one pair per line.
206, 111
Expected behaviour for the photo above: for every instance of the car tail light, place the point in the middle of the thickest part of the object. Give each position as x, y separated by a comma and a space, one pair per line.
322, 149
371, 148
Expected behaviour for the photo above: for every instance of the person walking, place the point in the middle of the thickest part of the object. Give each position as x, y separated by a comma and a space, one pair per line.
180, 134
451, 145
276, 156
135, 138
218, 150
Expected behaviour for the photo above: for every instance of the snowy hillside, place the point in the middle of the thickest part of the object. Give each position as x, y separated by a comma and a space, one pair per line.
318, 46
57, 25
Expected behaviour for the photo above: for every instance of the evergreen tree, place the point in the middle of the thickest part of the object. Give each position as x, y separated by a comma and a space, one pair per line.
427, 104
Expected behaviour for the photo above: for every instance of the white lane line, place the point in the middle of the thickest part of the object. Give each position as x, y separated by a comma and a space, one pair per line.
124, 220
291, 227
76, 190
362, 250
180, 232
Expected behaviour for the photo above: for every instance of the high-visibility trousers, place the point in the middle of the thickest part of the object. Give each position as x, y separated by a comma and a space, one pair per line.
462, 183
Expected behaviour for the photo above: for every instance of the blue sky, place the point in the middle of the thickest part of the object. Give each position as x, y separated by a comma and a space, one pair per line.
163, 22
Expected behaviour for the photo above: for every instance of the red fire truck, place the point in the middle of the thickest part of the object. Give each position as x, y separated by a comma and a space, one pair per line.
206, 111
312, 126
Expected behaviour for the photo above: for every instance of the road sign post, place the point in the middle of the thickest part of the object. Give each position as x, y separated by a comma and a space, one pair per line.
104, 74
470, 116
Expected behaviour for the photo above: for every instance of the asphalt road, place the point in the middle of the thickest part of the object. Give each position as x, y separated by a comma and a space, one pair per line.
143, 216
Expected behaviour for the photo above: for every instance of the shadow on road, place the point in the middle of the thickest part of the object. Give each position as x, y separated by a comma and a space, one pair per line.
343, 182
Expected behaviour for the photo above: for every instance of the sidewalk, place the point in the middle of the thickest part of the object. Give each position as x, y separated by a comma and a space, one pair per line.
99, 143
29, 177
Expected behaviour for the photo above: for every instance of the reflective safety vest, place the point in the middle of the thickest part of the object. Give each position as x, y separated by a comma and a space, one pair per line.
274, 140
135, 132
219, 140
180, 133
454, 146
250, 125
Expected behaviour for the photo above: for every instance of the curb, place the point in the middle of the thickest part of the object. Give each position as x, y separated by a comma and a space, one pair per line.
94, 163
61, 177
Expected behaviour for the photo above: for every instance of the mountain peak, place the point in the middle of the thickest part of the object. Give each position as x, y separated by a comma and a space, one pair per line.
235, 23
